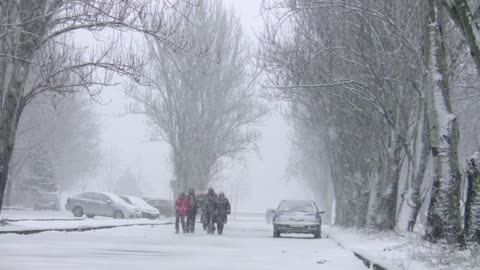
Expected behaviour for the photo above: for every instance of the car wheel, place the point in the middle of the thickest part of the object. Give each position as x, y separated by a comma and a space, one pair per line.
118, 214
90, 216
317, 234
276, 233
77, 211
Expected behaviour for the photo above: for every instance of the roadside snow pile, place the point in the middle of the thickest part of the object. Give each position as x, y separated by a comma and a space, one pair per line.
34, 223
17, 214
32, 226
392, 250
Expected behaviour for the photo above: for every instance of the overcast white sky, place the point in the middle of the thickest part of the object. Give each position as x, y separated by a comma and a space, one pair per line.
126, 143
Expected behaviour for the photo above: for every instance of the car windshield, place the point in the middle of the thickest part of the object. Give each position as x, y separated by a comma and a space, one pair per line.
138, 202
292, 206
114, 198
126, 199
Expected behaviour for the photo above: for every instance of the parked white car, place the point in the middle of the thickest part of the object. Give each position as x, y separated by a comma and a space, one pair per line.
147, 210
101, 204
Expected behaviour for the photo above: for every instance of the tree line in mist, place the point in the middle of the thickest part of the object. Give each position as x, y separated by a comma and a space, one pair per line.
383, 97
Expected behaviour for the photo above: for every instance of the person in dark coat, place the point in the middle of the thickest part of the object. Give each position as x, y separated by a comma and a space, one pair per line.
192, 211
202, 204
210, 210
223, 210
181, 209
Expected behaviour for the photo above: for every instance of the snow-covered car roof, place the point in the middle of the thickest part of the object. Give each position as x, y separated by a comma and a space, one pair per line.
297, 205
137, 201
112, 196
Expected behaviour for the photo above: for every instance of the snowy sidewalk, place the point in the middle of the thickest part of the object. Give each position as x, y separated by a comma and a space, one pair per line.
28, 222
408, 251
36, 226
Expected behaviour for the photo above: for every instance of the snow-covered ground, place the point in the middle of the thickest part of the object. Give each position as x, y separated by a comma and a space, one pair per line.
406, 251
25, 225
247, 243
26, 220
32, 214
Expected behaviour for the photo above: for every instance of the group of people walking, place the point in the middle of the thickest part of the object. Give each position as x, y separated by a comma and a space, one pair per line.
214, 211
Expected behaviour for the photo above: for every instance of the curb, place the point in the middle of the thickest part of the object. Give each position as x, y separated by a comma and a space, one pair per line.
44, 219
367, 262
81, 229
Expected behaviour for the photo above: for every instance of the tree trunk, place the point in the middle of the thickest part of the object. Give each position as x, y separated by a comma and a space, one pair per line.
361, 211
9, 118
416, 197
472, 200
375, 193
7, 199
387, 208
341, 202
443, 219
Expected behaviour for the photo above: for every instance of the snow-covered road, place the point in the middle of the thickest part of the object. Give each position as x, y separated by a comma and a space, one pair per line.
247, 243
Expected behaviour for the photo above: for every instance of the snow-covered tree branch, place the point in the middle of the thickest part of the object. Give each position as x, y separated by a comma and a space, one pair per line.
202, 103
38, 54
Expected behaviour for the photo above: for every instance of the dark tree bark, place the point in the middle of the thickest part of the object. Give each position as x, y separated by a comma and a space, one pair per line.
472, 200
417, 198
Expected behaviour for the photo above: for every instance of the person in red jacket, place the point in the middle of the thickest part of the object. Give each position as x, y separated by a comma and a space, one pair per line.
181, 209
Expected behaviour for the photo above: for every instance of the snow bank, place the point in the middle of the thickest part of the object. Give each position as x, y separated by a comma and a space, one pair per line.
33, 226
395, 251
18, 213
38, 221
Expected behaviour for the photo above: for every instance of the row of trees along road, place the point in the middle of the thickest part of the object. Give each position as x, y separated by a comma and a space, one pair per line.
379, 95
195, 88
38, 54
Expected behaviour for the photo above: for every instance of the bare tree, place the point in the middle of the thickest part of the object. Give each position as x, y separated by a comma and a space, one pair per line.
201, 102
37, 53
